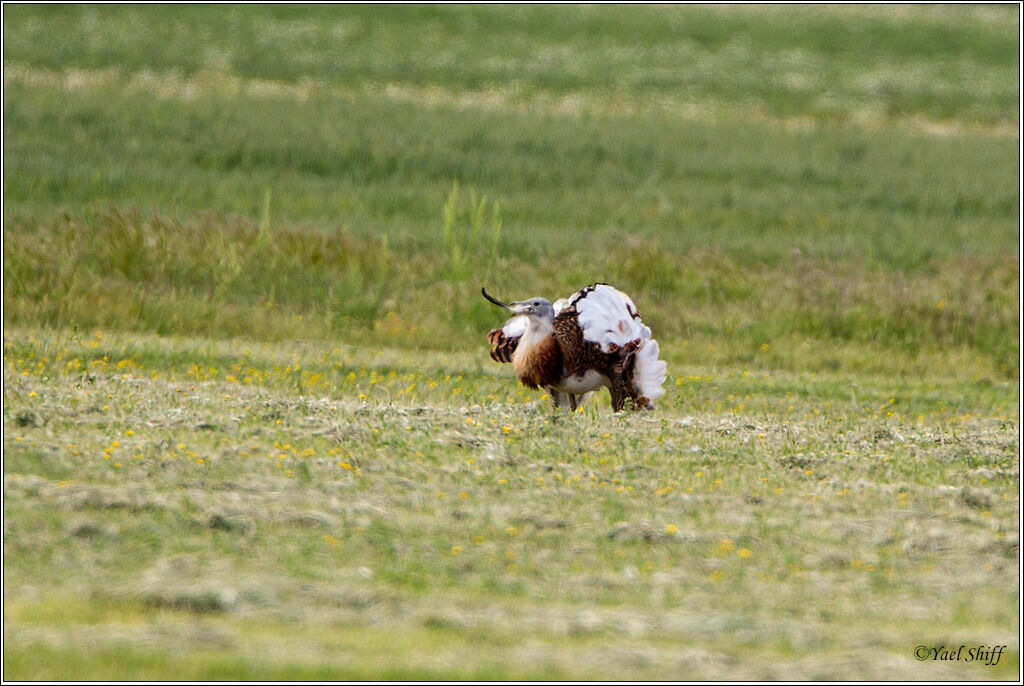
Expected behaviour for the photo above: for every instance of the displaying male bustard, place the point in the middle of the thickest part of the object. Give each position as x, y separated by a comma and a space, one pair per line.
592, 339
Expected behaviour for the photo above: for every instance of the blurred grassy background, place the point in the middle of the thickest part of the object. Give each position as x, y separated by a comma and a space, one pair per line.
833, 174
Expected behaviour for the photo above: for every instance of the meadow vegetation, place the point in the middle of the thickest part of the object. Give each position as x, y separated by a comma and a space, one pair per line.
250, 425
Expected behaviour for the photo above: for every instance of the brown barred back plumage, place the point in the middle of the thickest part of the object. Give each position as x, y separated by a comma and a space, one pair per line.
580, 355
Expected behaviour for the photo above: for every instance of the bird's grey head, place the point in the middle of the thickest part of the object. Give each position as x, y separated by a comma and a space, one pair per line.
538, 308
535, 308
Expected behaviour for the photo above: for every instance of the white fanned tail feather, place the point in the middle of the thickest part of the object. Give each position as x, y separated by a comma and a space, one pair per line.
608, 317
649, 372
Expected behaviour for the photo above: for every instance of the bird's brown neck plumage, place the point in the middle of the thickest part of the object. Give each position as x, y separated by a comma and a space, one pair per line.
537, 360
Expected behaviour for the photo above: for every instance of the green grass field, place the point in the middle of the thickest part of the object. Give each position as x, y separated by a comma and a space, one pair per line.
251, 429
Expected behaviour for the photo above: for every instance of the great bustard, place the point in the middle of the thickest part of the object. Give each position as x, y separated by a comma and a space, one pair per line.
592, 339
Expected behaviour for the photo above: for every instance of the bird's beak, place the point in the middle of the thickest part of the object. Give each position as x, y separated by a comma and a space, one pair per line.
520, 308
495, 300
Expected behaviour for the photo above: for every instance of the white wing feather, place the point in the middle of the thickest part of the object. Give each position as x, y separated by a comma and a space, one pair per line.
606, 318
515, 326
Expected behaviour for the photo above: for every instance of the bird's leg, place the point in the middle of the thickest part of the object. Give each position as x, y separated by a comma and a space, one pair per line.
560, 399
556, 397
618, 388
626, 370
618, 391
